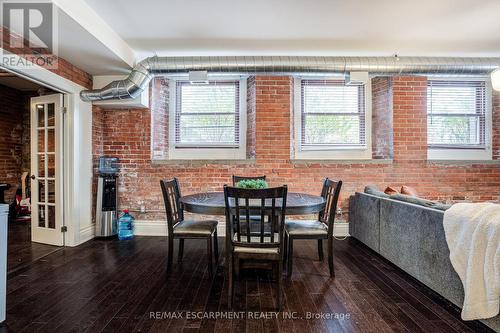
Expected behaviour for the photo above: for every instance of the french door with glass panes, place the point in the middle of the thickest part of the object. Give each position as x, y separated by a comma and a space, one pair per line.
46, 169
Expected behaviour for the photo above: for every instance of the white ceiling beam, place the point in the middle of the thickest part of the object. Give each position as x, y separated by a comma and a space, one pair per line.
84, 15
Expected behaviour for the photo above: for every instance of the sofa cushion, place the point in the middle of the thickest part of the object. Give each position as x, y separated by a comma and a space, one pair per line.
413, 200
373, 190
409, 191
441, 206
391, 190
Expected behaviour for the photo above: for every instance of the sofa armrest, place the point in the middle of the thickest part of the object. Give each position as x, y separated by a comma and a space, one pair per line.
364, 219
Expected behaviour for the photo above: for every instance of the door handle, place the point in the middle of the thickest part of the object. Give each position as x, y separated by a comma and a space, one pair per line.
33, 177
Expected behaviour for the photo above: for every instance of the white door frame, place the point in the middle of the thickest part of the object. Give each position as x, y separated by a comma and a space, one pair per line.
77, 154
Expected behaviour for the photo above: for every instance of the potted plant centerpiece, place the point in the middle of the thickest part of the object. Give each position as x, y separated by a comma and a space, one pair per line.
253, 184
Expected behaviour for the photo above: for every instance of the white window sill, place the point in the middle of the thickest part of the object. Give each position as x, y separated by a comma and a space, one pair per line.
207, 154
334, 154
343, 161
459, 154
164, 161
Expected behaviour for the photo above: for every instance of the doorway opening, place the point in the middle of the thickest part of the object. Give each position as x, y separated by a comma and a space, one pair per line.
31, 173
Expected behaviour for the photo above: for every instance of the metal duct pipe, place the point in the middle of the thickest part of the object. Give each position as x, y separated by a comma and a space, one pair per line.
148, 68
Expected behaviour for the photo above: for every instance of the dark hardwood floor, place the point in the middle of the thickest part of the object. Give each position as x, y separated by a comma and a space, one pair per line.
21, 252
112, 286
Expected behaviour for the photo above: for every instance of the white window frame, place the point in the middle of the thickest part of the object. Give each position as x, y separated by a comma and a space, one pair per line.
330, 153
472, 154
189, 153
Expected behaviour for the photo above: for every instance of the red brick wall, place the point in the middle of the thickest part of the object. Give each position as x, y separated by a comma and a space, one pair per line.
410, 118
251, 112
382, 136
11, 138
273, 103
62, 67
160, 109
126, 134
97, 149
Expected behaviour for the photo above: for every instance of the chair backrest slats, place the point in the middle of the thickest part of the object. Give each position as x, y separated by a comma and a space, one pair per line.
272, 206
247, 212
171, 198
330, 193
262, 219
237, 217
273, 218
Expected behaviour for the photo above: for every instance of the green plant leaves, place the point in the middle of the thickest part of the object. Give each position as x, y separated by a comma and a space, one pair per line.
254, 184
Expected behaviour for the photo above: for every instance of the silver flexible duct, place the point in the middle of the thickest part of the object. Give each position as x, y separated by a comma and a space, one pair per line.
148, 68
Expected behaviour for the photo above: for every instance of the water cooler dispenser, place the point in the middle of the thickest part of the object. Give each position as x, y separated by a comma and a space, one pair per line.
107, 197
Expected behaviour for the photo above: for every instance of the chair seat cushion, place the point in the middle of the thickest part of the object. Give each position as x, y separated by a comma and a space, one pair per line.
192, 227
259, 250
306, 228
256, 240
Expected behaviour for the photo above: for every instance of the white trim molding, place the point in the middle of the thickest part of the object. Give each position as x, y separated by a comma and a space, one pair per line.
87, 233
341, 229
159, 228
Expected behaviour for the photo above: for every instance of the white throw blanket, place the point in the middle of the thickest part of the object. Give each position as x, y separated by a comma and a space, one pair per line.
473, 235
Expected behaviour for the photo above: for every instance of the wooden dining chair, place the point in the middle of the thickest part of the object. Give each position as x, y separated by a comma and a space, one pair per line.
237, 179
260, 245
319, 229
181, 229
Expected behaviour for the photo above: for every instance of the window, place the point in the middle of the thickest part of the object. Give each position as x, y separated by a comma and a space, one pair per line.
207, 115
208, 120
332, 122
457, 113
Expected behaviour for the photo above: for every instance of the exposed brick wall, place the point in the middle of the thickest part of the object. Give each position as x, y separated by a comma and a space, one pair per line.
97, 149
126, 134
11, 138
61, 66
159, 93
251, 113
382, 136
410, 117
272, 129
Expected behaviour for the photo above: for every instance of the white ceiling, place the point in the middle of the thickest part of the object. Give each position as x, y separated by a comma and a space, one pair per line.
84, 50
305, 27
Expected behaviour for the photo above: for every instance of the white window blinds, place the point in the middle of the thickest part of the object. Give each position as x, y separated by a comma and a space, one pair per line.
207, 116
456, 112
333, 114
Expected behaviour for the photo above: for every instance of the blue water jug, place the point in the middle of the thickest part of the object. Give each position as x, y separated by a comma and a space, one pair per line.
125, 226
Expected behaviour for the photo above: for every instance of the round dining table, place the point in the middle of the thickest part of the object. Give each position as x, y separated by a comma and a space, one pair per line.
212, 203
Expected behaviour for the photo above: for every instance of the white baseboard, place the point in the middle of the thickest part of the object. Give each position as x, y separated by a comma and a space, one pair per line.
150, 228
341, 229
159, 228
87, 233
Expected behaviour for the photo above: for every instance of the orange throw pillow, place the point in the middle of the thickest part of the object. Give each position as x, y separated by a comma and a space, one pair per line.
408, 191
391, 190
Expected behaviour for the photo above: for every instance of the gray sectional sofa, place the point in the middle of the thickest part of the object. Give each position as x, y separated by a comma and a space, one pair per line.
411, 236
